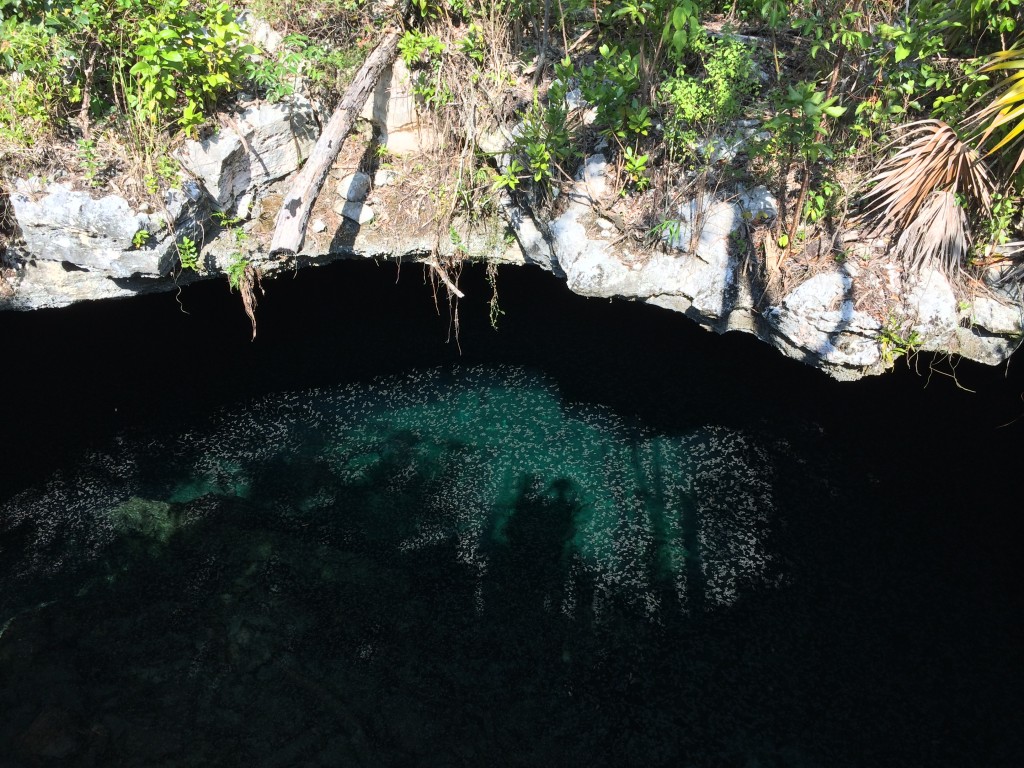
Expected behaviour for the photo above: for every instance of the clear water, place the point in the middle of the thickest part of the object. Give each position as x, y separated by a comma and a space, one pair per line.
463, 564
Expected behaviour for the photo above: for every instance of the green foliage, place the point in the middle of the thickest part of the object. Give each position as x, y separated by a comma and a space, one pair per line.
511, 176
998, 225
543, 140
994, 17
169, 60
88, 161
895, 341
821, 201
682, 29
730, 79
415, 47
422, 53
635, 166
798, 127
188, 254
186, 59
473, 44
611, 84
141, 238
165, 172
32, 88
236, 270
276, 75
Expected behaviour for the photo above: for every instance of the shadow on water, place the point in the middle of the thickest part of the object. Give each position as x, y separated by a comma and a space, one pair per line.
307, 617
295, 625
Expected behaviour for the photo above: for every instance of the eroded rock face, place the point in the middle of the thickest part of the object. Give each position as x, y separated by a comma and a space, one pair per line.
260, 145
78, 248
106, 234
392, 109
698, 274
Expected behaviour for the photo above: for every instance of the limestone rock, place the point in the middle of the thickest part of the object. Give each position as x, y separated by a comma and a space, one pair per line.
807, 327
265, 37
384, 178
703, 226
758, 203
278, 138
392, 109
931, 305
102, 234
354, 187
996, 317
354, 211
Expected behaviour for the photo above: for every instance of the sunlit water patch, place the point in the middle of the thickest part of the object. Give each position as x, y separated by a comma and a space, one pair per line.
357, 575
477, 466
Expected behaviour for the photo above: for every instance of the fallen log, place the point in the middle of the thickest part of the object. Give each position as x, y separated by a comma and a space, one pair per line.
297, 205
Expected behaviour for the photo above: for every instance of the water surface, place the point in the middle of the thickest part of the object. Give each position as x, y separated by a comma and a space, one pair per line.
597, 537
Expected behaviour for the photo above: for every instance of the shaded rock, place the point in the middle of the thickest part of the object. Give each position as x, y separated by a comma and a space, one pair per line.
53, 735
354, 187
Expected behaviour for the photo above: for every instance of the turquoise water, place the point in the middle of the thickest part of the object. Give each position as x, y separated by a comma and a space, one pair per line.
317, 541
595, 559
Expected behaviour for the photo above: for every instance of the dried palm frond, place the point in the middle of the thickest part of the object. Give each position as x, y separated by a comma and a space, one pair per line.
938, 236
1005, 105
932, 159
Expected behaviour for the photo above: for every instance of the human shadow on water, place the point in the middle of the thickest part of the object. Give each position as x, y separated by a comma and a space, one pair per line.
335, 617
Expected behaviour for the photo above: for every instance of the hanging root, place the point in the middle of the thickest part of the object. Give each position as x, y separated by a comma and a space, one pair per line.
441, 273
250, 283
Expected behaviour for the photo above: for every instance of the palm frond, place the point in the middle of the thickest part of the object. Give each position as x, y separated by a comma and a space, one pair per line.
1005, 103
932, 158
938, 237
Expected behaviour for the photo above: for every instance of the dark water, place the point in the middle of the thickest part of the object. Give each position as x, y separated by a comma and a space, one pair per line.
599, 536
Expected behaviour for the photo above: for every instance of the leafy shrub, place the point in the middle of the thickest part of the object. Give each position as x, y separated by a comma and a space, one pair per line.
729, 79
186, 58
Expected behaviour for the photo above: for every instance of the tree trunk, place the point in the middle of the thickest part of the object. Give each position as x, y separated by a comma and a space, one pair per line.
297, 205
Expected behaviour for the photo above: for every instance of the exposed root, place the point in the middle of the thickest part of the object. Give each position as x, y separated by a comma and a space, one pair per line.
250, 283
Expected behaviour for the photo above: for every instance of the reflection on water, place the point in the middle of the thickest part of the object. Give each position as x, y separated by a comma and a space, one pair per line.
451, 567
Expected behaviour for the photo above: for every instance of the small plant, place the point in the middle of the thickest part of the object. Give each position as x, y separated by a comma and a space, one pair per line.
895, 342
236, 270
510, 177
473, 45
543, 143
821, 202
141, 238
89, 161
188, 254
636, 168
415, 47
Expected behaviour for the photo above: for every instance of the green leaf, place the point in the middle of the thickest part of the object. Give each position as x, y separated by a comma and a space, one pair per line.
901, 52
